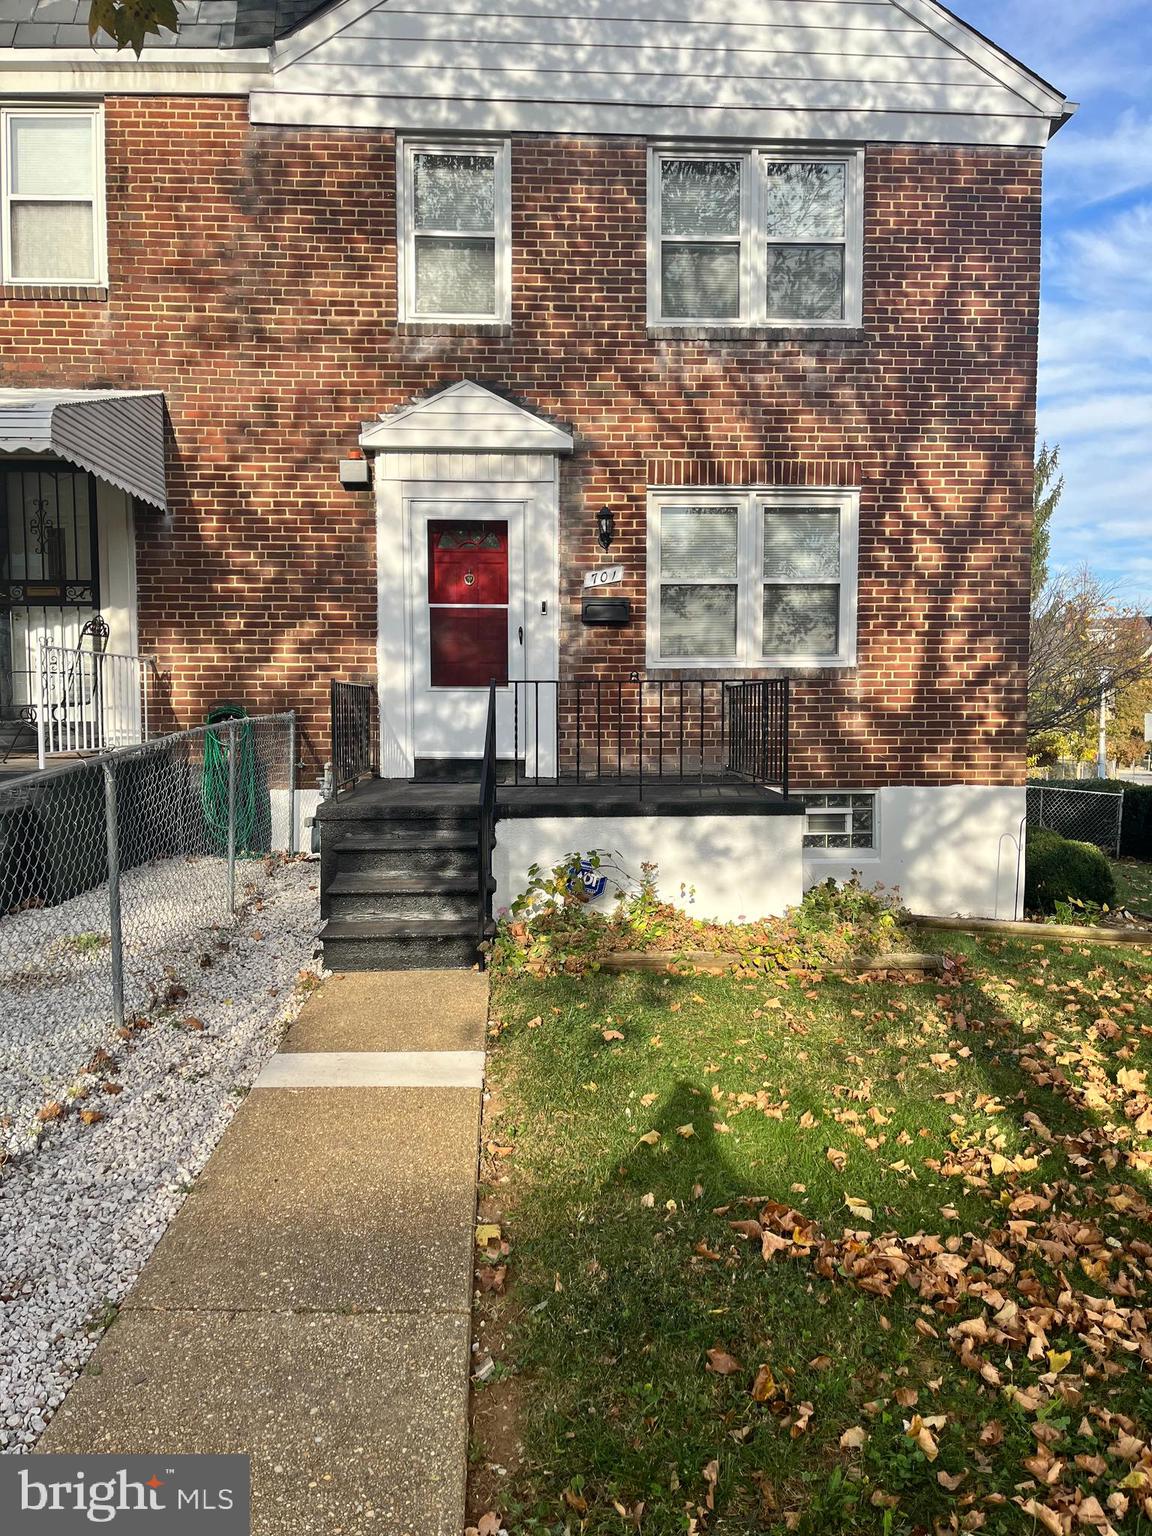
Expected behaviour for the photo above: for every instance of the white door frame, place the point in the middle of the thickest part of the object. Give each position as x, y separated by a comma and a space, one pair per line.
405, 478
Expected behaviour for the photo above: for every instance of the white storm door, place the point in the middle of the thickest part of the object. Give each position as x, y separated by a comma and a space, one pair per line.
468, 622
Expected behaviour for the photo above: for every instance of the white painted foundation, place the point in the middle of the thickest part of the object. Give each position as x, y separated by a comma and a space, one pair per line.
724, 867
953, 850
307, 802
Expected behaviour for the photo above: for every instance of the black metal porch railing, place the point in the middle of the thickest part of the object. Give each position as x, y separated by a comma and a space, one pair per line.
487, 820
643, 732
355, 712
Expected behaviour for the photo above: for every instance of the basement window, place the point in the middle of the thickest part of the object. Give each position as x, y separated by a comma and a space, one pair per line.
455, 232
52, 195
839, 819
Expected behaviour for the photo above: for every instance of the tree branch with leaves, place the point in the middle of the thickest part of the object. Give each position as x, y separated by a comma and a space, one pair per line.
130, 22
1083, 642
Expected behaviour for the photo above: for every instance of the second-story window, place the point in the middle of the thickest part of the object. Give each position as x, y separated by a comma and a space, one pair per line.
454, 232
756, 238
51, 195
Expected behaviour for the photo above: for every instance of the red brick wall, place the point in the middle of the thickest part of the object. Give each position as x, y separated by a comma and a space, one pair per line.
253, 279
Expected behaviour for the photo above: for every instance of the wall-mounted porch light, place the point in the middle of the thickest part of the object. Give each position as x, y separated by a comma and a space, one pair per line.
354, 473
605, 527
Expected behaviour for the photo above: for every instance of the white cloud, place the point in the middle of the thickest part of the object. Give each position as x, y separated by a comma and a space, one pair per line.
1096, 393
1088, 164
1100, 416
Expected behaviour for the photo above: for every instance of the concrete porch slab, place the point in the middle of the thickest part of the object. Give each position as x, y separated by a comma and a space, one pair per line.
329, 1199
354, 1424
394, 1011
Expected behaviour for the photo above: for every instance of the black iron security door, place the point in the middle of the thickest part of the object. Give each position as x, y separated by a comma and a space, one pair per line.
49, 569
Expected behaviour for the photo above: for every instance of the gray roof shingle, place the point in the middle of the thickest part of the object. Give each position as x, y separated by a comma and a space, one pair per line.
203, 23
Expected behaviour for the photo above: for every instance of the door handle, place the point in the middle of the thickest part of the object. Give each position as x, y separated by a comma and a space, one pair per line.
520, 634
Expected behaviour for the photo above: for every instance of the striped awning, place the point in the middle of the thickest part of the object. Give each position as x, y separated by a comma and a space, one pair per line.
117, 434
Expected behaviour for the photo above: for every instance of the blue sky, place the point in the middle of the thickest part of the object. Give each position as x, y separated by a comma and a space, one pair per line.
1096, 316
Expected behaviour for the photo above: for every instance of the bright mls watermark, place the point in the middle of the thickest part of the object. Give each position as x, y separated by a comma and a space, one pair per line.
185, 1495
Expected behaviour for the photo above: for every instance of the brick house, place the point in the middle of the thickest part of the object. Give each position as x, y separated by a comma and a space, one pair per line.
732, 316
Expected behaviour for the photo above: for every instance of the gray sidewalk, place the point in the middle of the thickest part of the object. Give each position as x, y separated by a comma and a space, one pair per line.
311, 1303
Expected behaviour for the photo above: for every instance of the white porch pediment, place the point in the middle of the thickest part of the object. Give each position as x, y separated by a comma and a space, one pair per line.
465, 418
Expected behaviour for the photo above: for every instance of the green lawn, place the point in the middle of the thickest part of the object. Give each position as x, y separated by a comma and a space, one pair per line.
953, 1184
1133, 883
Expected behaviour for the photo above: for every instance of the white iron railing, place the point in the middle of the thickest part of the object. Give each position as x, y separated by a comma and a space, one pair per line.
90, 701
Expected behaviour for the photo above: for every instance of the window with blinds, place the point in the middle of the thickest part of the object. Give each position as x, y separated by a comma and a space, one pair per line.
756, 578
454, 234
51, 195
760, 238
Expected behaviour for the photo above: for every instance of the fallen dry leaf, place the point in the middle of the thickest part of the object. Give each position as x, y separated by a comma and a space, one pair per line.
721, 1363
764, 1387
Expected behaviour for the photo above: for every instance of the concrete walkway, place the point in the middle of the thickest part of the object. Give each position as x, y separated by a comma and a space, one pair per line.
310, 1305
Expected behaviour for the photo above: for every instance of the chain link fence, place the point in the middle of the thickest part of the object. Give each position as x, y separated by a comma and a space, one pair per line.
1085, 815
118, 872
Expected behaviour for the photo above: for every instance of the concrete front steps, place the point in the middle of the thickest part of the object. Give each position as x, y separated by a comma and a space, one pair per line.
400, 877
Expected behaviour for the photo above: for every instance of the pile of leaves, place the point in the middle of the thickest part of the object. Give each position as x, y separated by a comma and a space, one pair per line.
553, 928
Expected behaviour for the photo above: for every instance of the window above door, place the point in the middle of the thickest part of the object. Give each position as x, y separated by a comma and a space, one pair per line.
454, 235
752, 578
52, 195
762, 238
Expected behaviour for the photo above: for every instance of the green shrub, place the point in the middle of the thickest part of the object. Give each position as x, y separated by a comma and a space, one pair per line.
552, 928
1057, 870
1136, 820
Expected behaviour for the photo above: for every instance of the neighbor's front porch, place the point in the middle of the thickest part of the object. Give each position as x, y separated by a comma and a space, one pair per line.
75, 467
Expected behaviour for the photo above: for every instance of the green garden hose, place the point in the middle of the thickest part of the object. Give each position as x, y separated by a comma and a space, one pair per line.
214, 780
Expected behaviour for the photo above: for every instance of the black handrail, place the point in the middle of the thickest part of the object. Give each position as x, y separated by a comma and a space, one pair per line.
486, 831
355, 712
645, 732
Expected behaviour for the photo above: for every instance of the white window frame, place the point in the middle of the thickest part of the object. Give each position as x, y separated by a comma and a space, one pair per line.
750, 503
95, 112
842, 855
754, 238
407, 149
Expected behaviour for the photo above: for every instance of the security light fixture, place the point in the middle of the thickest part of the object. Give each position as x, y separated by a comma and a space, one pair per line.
355, 474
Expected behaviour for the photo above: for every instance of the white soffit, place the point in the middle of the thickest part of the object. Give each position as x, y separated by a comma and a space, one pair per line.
465, 418
896, 70
117, 434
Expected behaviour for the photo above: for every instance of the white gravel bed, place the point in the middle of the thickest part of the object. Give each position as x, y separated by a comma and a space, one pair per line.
80, 1214
56, 973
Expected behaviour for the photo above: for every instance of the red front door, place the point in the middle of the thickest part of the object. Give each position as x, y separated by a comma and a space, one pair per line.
468, 603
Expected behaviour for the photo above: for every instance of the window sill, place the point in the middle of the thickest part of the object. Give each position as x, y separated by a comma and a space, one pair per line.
689, 671
90, 293
758, 333
453, 328
841, 855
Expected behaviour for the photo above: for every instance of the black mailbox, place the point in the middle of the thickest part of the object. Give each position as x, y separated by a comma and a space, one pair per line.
607, 610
